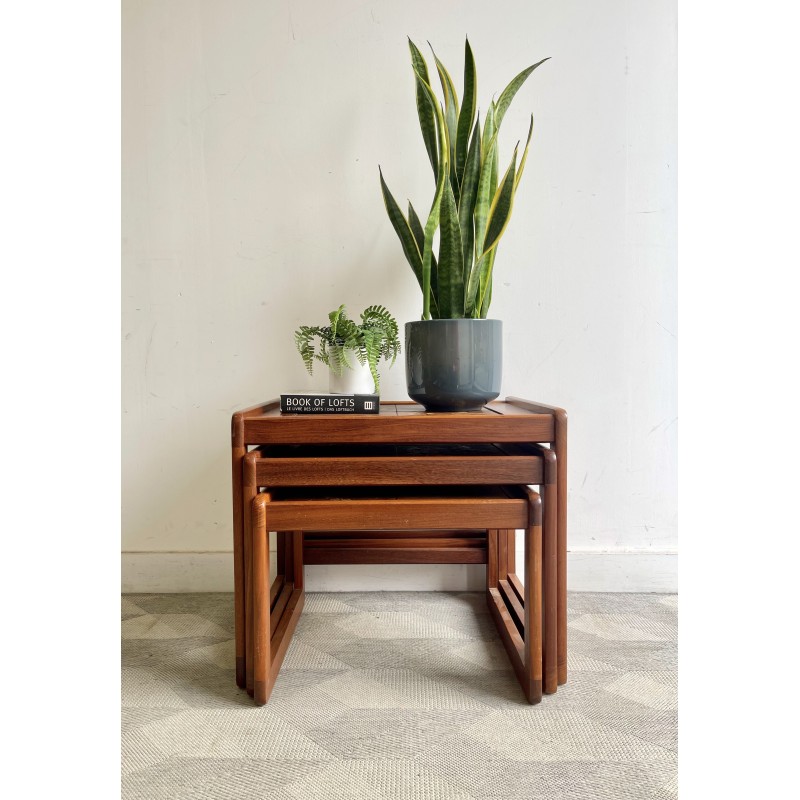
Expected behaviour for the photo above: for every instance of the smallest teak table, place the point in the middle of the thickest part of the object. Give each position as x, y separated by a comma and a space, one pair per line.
304, 449
516, 610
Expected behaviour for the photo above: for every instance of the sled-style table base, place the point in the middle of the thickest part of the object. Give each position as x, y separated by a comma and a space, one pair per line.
403, 446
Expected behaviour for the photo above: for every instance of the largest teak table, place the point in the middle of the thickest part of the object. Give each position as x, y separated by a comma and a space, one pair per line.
314, 449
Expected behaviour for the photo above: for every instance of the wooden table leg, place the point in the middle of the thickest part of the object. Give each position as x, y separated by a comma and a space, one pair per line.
492, 559
507, 556
511, 544
560, 448
241, 537
550, 572
237, 454
513, 589
297, 559
249, 492
260, 630
275, 609
533, 598
517, 609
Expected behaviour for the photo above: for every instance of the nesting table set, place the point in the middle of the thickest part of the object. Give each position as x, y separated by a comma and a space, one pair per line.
403, 486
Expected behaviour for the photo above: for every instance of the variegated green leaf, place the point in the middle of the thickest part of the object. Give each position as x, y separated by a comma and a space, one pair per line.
469, 208
524, 155
425, 107
450, 114
489, 131
499, 215
433, 216
502, 203
403, 230
486, 190
451, 261
472, 302
466, 116
507, 95
427, 253
416, 227
495, 162
483, 201
419, 235
469, 192
486, 283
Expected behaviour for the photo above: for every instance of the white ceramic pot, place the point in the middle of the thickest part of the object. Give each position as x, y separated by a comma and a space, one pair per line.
357, 380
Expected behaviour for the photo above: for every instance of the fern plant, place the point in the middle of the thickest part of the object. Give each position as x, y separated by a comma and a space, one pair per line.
471, 207
375, 337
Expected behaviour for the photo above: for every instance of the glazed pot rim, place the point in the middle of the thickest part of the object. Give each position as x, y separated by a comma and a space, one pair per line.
459, 319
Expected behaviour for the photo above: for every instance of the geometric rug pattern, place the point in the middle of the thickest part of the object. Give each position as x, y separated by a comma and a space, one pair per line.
398, 696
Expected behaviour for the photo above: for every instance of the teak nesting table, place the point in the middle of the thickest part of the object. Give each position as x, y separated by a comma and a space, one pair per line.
401, 449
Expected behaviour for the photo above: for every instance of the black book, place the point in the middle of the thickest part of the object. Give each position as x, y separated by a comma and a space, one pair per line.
321, 403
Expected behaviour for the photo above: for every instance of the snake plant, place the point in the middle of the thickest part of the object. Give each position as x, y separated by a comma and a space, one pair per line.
374, 337
472, 205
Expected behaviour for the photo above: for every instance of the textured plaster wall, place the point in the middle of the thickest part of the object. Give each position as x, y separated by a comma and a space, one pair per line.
252, 134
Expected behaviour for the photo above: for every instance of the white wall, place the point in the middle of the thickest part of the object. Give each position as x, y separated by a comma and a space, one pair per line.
252, 134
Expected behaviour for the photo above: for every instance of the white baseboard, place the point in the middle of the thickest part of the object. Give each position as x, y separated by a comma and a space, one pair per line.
622, 571
395, 577
177, 572
587, 571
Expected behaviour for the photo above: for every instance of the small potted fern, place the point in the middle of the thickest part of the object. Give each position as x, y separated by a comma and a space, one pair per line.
351, 350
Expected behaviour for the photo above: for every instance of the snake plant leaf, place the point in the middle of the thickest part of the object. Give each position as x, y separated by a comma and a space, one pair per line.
489, 130
425, 107
507, 95
466, 115
430, 228
524, 156
419, 235
451, 260
473, 293
502, 203
486, 284
493, 174
433, 216
402, 229
499, 216
471, 208
469, 193
496, 159
451, 113
483, 201
416, 226
486, 189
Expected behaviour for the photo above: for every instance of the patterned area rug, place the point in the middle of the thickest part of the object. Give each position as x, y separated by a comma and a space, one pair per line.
398, 696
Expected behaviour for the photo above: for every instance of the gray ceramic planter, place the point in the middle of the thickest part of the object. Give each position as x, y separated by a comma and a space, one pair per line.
454, 364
